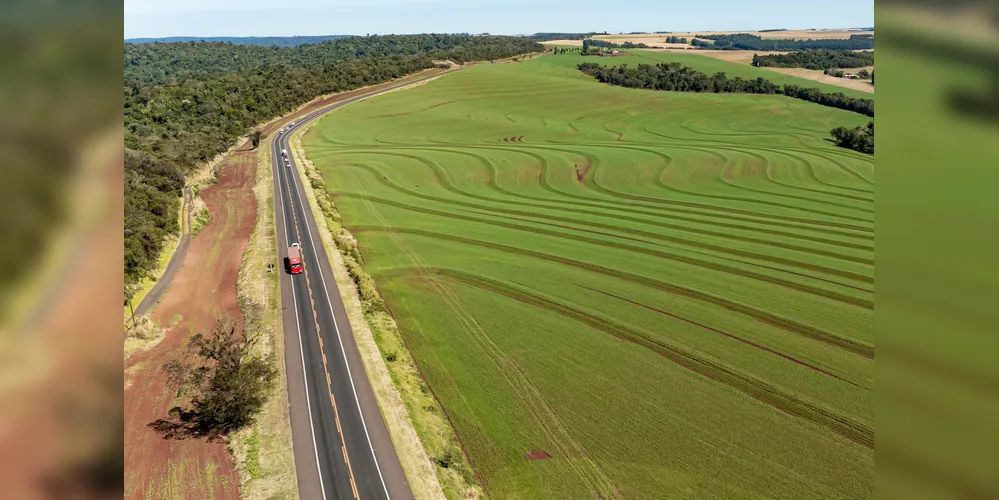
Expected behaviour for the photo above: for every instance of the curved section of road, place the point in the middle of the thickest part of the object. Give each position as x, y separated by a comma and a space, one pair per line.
342, 447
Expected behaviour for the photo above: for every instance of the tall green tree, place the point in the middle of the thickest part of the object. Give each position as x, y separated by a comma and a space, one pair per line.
225, 384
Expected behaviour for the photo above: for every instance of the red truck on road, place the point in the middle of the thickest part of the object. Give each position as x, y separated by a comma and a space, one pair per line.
294, 260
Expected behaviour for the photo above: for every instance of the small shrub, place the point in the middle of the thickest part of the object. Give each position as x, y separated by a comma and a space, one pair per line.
201, 220
144, 329
347, 245
450, 457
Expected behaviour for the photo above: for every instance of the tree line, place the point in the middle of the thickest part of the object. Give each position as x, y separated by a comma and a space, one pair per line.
544, 37
280, 41
156, 63
816, 59
173, 123
592, 42
745, 41
596, 47
857, 138
677, 77
675, 39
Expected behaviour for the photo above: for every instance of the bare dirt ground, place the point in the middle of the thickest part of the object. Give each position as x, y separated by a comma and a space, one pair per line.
819, 76
203, 290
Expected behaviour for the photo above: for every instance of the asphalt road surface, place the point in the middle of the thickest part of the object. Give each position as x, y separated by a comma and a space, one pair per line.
341, 445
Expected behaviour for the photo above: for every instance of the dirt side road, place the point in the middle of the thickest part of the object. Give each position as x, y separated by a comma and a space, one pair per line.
203, 290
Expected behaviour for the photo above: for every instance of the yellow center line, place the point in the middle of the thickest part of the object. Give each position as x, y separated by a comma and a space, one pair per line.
329, 385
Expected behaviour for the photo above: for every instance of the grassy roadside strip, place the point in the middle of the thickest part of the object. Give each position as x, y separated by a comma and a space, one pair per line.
263, 452
427, 447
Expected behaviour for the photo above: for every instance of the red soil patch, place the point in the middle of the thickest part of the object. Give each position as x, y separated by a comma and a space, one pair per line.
537, 455
203, 290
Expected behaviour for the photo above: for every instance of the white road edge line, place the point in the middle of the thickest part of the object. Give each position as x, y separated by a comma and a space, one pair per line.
336, 327
301, 350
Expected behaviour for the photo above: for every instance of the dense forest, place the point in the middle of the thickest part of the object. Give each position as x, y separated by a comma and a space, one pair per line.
816, 59
745, 41
858, 138
161, 62
278, 41
544, 37
180, 110
676, 77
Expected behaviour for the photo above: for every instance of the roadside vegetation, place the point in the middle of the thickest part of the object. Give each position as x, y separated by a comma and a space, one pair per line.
676, 77
816, 59
200, 220
604, 295
185, 103
141, 335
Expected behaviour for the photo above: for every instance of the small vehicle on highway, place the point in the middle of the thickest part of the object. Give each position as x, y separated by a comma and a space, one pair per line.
294, 260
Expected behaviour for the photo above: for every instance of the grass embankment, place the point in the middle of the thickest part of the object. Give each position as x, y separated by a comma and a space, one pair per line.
263, 453
424, 440
663, 292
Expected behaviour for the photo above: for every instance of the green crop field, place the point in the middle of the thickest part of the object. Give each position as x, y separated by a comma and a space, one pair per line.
669, 294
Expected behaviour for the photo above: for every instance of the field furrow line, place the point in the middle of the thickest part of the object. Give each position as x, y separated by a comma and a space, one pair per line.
544, 417
662, 237
798, 328
800, 287
793, 404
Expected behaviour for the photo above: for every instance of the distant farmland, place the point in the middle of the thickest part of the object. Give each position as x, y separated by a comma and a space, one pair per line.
669, 294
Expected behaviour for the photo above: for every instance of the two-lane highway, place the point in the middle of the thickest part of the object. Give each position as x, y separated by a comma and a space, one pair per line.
342, 447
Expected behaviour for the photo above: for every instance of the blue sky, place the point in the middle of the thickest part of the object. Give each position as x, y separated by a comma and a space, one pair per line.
157, 18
